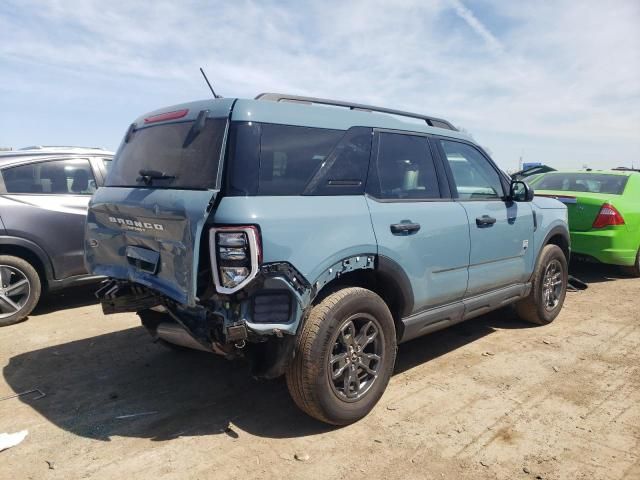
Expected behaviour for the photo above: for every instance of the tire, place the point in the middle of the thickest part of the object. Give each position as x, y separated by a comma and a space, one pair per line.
20, 289
635, 270
331, 341
543, 304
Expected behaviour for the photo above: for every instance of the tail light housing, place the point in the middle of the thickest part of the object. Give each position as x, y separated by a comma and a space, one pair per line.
608, 216
236, 255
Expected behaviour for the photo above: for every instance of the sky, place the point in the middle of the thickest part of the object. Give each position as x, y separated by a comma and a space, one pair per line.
556, 82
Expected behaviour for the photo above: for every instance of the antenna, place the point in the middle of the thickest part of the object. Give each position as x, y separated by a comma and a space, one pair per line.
208, 83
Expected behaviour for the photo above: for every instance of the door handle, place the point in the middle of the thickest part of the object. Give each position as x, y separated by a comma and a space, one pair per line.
485, 221
406, 227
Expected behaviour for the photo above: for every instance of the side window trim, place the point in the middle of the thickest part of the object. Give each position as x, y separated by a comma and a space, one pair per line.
98, 170
3, 189
372, 174
435, 140
451, 180
446, 192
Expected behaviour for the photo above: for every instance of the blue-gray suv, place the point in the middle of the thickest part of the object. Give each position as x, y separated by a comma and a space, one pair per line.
313, 236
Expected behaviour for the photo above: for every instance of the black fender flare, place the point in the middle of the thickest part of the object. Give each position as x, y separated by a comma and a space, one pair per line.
395, 273
557, 230
385, 267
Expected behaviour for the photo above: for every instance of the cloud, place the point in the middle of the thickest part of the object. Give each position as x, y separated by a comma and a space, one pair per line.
476, 25
555, 80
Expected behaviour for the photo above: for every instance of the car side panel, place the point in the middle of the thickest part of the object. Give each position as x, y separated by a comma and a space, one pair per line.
312, 233
55, 222
501, 254
436, 257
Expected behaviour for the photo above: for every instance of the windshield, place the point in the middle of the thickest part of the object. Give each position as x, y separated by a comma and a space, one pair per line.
160, 157
582, 182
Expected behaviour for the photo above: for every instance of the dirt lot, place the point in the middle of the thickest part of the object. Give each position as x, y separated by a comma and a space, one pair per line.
492, 398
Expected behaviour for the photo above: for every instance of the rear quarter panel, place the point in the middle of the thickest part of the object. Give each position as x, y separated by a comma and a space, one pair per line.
312, 233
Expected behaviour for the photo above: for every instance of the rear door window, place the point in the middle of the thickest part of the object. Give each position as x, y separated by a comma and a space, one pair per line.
71, 177
404, 168
163, 149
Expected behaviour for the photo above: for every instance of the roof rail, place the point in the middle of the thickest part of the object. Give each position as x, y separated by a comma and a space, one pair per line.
280, 97
59, 147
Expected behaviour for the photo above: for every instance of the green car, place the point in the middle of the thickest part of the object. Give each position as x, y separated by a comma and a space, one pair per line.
604, 213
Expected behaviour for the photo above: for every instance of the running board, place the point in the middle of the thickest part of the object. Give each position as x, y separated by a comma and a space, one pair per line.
441, 317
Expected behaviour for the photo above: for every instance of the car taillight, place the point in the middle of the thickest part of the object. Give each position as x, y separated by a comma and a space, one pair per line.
235, 256
607, 217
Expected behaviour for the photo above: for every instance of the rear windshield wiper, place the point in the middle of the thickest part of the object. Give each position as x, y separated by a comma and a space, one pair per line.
147, 176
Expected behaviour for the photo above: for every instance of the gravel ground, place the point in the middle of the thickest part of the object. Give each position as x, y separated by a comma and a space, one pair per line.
491, 398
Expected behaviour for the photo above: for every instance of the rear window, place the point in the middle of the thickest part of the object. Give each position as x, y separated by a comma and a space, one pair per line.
161, 149
582, 182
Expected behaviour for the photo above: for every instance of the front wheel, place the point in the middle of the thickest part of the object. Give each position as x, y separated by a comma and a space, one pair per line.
19, 289
548, 290
344, 357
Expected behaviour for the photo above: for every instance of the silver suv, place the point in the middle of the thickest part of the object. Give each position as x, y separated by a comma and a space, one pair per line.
44, 193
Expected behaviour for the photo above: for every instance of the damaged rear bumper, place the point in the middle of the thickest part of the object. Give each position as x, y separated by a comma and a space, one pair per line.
271, 306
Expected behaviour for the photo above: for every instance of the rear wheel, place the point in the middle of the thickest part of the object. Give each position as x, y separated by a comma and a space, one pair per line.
548, 290
20, 289
344, 357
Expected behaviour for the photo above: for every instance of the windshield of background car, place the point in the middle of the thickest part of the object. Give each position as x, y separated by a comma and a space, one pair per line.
583, 182
175, 162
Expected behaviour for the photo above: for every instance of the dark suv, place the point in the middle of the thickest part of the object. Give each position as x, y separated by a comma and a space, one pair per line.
44, 193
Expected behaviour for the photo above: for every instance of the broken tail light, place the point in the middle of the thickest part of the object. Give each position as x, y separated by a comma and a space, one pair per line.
608, 216
235, 256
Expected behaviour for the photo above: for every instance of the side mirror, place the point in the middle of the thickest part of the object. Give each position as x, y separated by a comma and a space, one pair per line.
520, 191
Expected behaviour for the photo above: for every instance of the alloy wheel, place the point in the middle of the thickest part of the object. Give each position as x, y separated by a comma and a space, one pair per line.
15, 290
552, 285
355, 359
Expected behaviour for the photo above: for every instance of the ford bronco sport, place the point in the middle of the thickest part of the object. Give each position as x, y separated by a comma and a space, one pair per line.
313, 236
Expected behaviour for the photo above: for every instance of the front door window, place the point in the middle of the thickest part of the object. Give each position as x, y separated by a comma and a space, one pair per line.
475, 178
